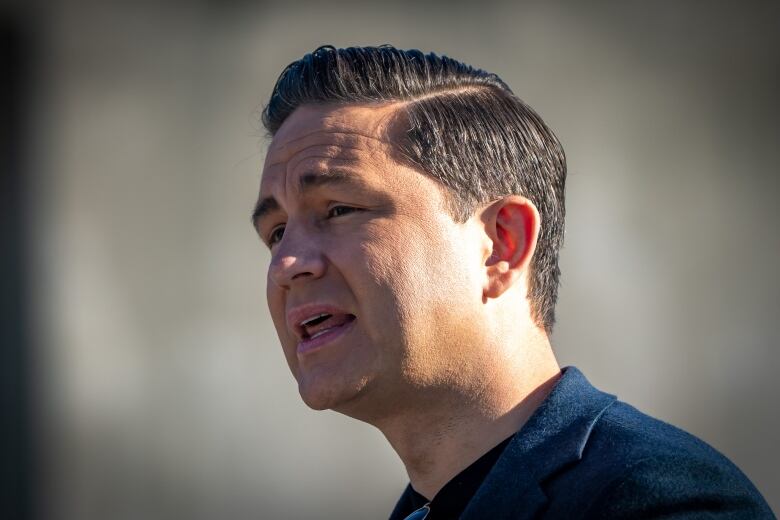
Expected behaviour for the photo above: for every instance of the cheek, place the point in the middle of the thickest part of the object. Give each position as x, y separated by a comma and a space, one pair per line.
405, 275
437, 267
382, 283
397, 277
442, 282
276, 307
274, 300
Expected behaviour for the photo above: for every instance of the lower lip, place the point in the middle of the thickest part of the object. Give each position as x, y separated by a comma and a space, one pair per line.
312, 344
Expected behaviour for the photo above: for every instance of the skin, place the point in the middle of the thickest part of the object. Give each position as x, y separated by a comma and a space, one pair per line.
443, 357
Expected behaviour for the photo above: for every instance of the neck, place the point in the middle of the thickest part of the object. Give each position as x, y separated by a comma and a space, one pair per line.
451, 429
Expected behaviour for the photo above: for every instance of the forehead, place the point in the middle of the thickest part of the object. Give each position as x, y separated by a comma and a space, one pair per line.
312, 135
349, 146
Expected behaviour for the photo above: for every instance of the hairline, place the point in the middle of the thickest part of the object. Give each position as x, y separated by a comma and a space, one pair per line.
398, 123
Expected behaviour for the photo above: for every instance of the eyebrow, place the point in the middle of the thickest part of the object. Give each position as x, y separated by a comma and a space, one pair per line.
307, 182
264, 207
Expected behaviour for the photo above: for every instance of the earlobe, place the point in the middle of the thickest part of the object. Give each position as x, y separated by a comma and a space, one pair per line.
512, 225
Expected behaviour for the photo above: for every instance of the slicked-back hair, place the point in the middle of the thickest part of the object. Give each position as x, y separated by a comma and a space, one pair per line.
463, 127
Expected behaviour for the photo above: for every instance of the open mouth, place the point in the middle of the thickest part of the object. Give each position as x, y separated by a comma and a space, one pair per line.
324, 323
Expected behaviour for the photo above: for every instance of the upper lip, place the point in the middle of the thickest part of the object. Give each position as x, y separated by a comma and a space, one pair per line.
296, 315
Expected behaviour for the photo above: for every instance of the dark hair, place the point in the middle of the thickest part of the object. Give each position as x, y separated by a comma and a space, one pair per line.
464, 127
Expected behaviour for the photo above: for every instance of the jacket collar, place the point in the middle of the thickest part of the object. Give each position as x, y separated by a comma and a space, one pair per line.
554, 436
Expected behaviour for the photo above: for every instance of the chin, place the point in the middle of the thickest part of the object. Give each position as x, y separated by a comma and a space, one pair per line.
326, 395
315, 404
323, 396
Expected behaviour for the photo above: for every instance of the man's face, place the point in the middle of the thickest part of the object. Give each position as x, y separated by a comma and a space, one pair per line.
366, 242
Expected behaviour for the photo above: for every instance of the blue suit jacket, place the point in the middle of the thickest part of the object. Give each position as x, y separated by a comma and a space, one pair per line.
584, 454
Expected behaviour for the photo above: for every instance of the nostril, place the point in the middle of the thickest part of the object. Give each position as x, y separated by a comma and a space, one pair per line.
289, 267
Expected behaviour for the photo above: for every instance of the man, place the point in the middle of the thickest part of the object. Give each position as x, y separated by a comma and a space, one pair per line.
414, 210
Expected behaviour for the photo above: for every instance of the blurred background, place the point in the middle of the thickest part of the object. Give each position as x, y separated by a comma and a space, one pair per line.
141, 374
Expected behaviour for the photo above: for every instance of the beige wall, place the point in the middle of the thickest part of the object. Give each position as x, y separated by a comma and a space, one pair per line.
164, 392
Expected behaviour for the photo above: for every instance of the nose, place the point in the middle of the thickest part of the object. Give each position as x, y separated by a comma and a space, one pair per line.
297, 258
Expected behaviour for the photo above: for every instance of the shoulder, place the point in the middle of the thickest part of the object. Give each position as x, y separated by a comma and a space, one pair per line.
639, 466
631, 435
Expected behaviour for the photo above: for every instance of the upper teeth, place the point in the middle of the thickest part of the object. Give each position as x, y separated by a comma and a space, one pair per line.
304, 322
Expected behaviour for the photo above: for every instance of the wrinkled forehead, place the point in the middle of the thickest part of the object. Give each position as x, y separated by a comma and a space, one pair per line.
346, 133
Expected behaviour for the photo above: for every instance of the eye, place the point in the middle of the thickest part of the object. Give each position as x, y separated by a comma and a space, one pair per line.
276, 235
337, 211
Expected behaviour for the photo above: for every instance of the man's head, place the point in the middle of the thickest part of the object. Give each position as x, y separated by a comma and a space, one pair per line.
443, 190
463, 127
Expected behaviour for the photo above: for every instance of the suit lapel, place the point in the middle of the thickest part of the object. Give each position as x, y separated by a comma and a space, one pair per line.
554, 436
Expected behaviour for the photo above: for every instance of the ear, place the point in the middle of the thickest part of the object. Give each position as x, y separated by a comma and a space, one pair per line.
512, 226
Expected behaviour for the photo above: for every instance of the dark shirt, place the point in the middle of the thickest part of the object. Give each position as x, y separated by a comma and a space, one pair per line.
450, 502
